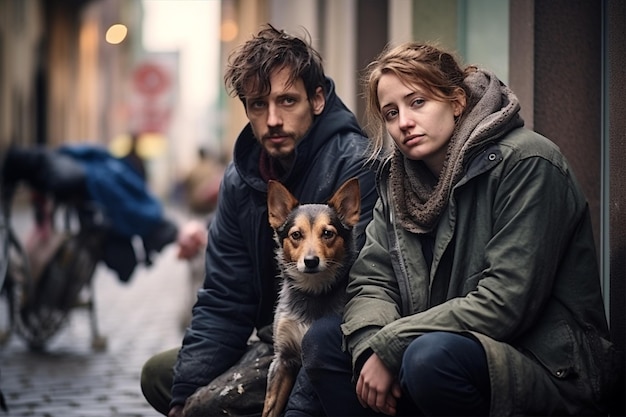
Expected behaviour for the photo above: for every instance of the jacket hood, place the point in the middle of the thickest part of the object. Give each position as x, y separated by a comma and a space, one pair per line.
335, 118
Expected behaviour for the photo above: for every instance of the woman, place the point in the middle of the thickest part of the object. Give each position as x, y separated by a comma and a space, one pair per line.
477, 291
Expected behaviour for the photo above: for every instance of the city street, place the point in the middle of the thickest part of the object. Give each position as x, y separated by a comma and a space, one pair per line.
138, 318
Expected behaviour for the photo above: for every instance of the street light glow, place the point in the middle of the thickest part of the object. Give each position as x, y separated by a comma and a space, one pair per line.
116, 34
229, 30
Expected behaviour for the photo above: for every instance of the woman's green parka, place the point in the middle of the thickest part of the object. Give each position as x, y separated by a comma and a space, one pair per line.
514, 265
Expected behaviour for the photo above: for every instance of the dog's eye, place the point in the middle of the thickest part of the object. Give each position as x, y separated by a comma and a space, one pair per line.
328, 234
296, 235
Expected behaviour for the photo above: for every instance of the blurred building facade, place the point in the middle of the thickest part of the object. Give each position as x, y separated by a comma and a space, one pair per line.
564, 59
59, 81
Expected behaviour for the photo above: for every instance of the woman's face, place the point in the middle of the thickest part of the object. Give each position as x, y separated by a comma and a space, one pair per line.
420, 125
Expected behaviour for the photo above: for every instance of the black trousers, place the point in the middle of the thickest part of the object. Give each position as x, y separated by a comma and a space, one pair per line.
442, 374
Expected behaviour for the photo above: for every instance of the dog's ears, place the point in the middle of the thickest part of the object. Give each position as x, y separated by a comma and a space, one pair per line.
280, 202
347, 201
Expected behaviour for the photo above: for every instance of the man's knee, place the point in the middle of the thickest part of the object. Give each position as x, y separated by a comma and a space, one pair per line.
159, 368
156, 379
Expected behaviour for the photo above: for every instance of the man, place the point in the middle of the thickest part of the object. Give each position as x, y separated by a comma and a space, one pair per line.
299, 133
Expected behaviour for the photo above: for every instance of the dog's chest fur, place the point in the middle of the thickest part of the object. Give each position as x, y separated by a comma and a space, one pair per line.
305, 307
308, 293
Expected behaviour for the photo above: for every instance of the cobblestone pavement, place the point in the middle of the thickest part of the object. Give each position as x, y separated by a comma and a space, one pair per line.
69, 379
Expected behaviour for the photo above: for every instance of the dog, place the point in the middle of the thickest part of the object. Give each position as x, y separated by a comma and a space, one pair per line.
315, 249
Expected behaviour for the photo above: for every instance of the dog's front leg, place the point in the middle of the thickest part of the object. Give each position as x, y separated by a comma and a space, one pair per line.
280, 381
284, 368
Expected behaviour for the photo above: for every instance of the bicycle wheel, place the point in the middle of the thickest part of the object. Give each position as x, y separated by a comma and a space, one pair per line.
6, 313
45, 311
16, 287
4, 248
6, 304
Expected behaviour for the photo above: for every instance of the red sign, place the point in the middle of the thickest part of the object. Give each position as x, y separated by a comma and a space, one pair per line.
151, 79
153, 84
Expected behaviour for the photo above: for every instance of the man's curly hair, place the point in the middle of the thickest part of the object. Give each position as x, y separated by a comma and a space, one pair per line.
249, 66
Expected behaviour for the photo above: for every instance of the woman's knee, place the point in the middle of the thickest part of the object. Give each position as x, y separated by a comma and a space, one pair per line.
446, 365
441, 354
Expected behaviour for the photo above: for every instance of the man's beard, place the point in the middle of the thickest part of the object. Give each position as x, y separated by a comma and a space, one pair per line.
275, 150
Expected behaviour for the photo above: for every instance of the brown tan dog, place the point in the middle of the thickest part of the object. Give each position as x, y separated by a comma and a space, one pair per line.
316, 248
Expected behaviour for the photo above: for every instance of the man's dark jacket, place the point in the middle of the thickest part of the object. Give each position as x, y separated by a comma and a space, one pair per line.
240, 286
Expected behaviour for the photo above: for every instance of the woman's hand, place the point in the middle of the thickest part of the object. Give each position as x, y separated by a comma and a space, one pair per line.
377, 388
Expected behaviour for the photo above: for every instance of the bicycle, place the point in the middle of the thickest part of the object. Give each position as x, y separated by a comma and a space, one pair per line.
40, 297
93, 208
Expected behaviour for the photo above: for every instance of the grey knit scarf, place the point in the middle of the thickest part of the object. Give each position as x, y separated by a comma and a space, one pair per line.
419, 197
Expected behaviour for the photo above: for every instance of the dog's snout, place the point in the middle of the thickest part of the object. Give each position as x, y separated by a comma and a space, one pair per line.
311, 262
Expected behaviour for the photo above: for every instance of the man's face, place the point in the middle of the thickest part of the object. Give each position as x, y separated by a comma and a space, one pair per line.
280, 119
